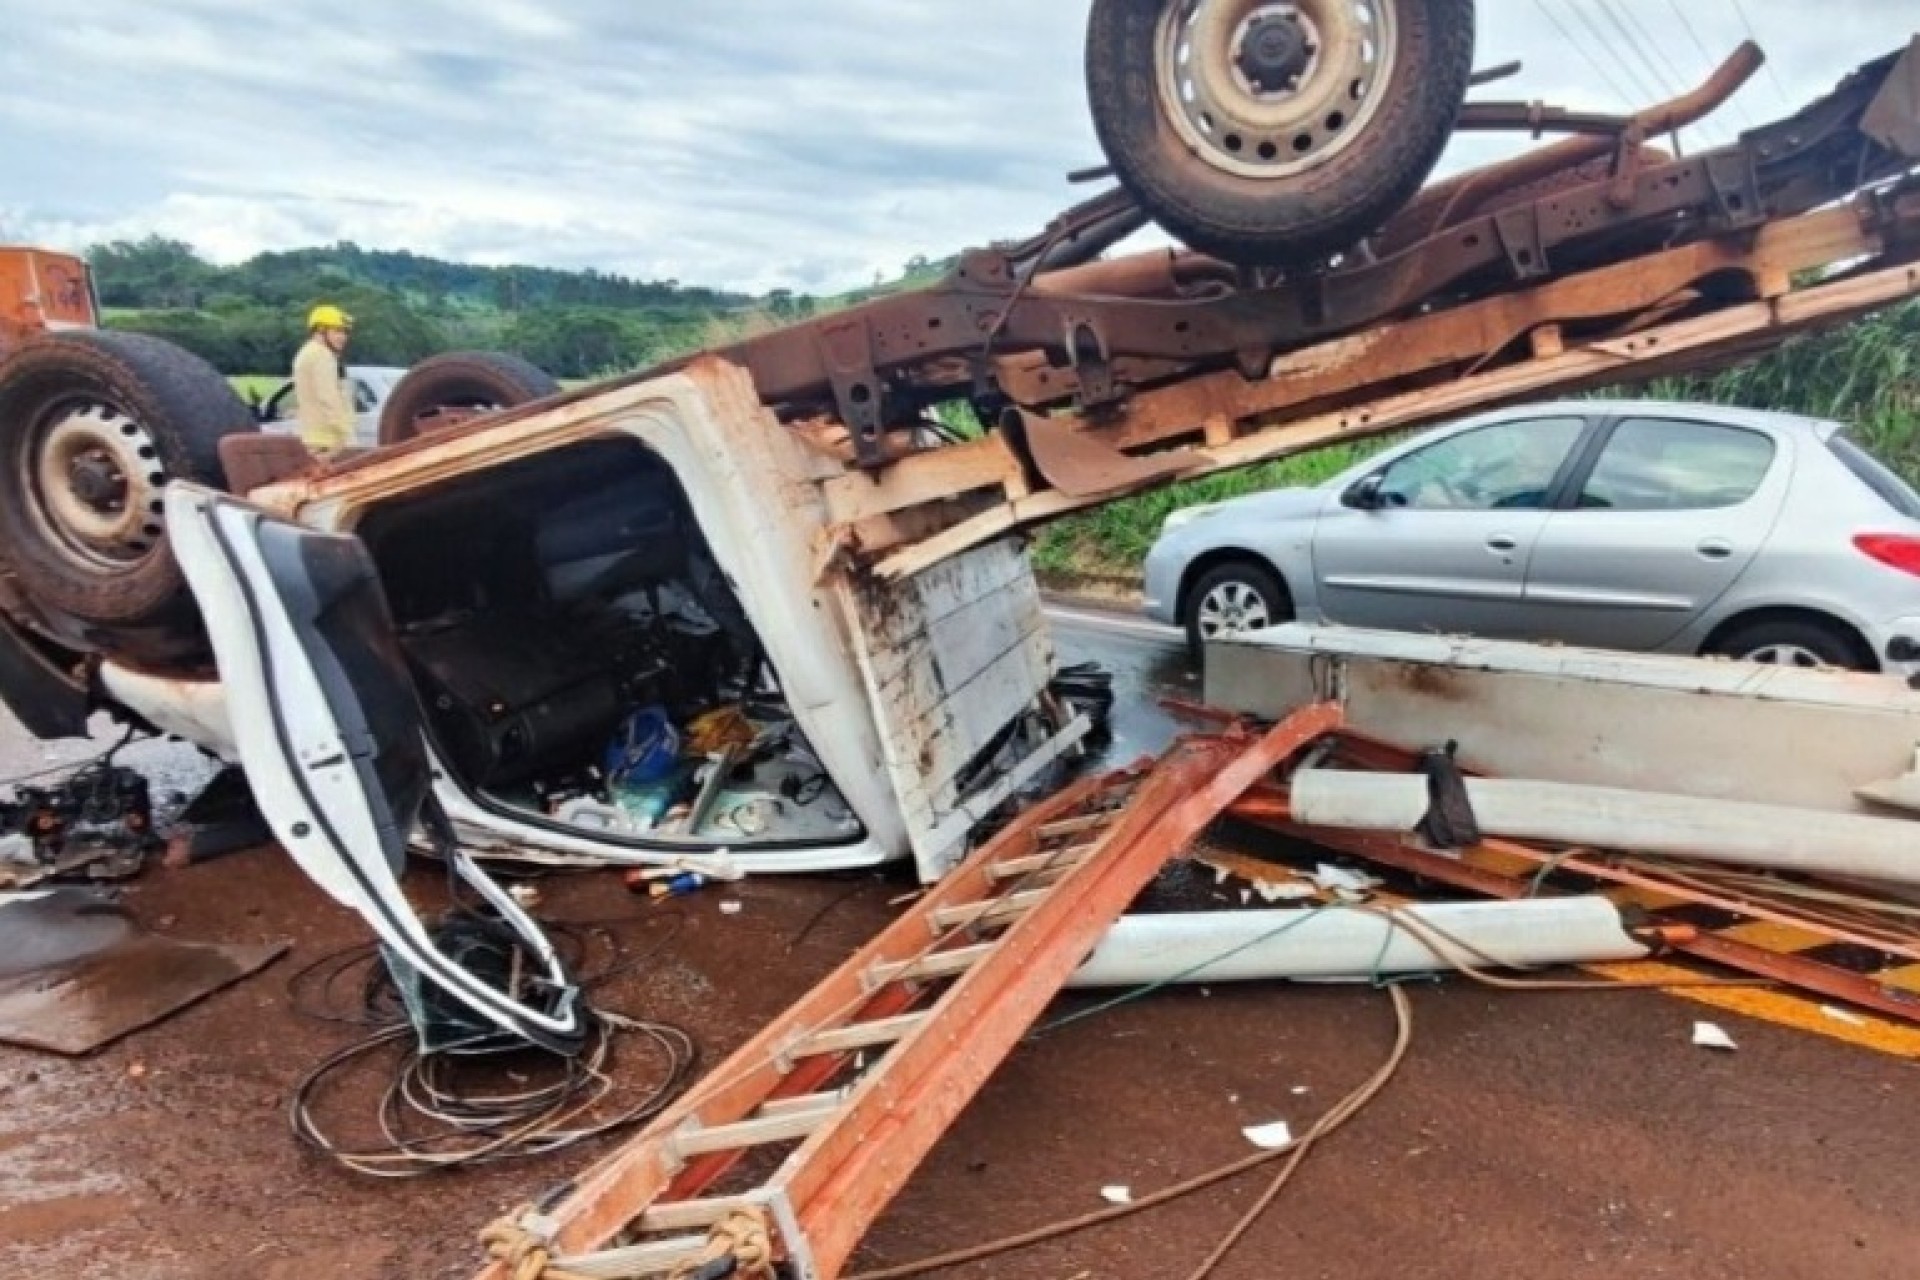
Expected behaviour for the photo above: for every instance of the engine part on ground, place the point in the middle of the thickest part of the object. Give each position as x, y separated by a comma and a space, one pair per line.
447, 390
97, 823
76, 973
93, 426
1275, 134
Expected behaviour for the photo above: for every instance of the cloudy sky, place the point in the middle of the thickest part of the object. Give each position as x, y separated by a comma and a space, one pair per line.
755, 144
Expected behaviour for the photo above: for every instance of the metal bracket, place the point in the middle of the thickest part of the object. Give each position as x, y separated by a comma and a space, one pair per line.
1092, 364
1519, 232
846, 353
1626, 167
1736, 189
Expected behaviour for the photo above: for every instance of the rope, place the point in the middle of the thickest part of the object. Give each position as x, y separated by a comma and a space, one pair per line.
740, 1236
526, 1253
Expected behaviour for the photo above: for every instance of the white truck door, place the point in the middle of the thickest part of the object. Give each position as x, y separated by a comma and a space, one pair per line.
329, 733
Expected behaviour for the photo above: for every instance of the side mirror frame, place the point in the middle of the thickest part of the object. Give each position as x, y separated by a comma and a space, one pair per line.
1364, 494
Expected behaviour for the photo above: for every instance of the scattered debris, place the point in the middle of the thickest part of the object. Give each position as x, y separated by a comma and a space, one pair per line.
1710, 1035
1117, 1194
731, 907
1269, 1137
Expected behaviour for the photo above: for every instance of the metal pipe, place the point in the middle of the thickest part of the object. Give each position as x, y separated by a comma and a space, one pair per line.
1461, 197
1338, 943
1773, 836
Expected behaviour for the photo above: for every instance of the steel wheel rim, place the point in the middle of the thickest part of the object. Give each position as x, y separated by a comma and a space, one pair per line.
94, 480
1259, 128
1787, 655
1231, 608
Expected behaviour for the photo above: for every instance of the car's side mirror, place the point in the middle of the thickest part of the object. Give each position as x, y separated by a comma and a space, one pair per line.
1365, 493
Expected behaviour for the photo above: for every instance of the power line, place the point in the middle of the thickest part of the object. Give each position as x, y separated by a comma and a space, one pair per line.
1706, 55
1613, 85
1639, 47
1642, 94
1647, 41
1772, 75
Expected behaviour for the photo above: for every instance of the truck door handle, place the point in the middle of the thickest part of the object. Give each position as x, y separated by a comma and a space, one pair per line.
1715, 548
1502, 543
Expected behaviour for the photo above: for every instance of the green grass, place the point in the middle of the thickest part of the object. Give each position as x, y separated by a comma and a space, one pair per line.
1110, 541
259, 384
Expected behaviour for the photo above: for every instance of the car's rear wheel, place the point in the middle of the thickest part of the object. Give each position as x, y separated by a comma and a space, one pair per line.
1232, 598
1269, 132
1807, 643
93, 426
444, 391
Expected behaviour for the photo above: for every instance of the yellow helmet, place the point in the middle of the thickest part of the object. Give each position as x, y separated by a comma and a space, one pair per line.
328, 316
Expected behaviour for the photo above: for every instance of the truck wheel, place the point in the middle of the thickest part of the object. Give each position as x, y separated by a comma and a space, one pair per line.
1270, 133
444, 391
93, 425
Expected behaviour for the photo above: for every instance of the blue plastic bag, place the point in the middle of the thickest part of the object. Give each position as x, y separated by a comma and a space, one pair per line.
645, 749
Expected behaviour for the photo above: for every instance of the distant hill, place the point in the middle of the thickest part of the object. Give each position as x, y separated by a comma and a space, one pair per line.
248, 318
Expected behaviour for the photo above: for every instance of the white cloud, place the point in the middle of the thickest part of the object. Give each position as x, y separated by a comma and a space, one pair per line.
745, 143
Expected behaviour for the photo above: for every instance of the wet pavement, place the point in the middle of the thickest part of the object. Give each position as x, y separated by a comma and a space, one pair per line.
1556, 1136
1148, 663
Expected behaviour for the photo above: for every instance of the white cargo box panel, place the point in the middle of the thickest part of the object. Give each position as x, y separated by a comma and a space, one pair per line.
952, 656
1711, 728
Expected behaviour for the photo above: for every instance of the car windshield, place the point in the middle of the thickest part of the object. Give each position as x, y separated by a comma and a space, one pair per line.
1876, 475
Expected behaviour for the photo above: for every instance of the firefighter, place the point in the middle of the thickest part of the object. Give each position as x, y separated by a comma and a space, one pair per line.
323, 410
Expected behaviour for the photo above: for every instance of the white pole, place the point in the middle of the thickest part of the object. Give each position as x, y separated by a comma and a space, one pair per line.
1342, 943
1732, 831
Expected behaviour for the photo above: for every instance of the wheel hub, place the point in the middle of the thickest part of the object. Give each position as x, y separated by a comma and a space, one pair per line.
95, 478
97, 482
1274, 51
1272, 88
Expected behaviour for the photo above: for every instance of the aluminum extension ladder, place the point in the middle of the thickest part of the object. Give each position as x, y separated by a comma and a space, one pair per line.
858, 1080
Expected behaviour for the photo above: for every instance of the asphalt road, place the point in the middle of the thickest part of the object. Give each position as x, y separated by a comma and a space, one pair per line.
1550, 1136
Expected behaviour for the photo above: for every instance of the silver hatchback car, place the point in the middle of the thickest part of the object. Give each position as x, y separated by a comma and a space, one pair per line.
1680, 528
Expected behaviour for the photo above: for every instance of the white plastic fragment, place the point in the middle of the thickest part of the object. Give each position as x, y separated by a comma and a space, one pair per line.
1283, 890
1269, 1137
1343, 882
1299, 1089
730, 908
1710, 1036
1117, 1195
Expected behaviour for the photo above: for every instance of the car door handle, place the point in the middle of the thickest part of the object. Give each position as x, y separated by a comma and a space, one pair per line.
1503, 543
1715, 548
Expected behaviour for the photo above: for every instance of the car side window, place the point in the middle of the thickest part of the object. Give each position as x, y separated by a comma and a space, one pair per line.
1664, 464
1509, 465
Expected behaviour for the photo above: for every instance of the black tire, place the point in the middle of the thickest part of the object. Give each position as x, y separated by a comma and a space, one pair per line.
1799, 641
1249, 216
1275, 602
85, 536
462, 380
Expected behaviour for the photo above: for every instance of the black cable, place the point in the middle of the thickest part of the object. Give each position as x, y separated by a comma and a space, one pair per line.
448, 1110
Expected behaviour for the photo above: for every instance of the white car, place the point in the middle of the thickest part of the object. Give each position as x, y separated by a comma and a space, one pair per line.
370, 385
